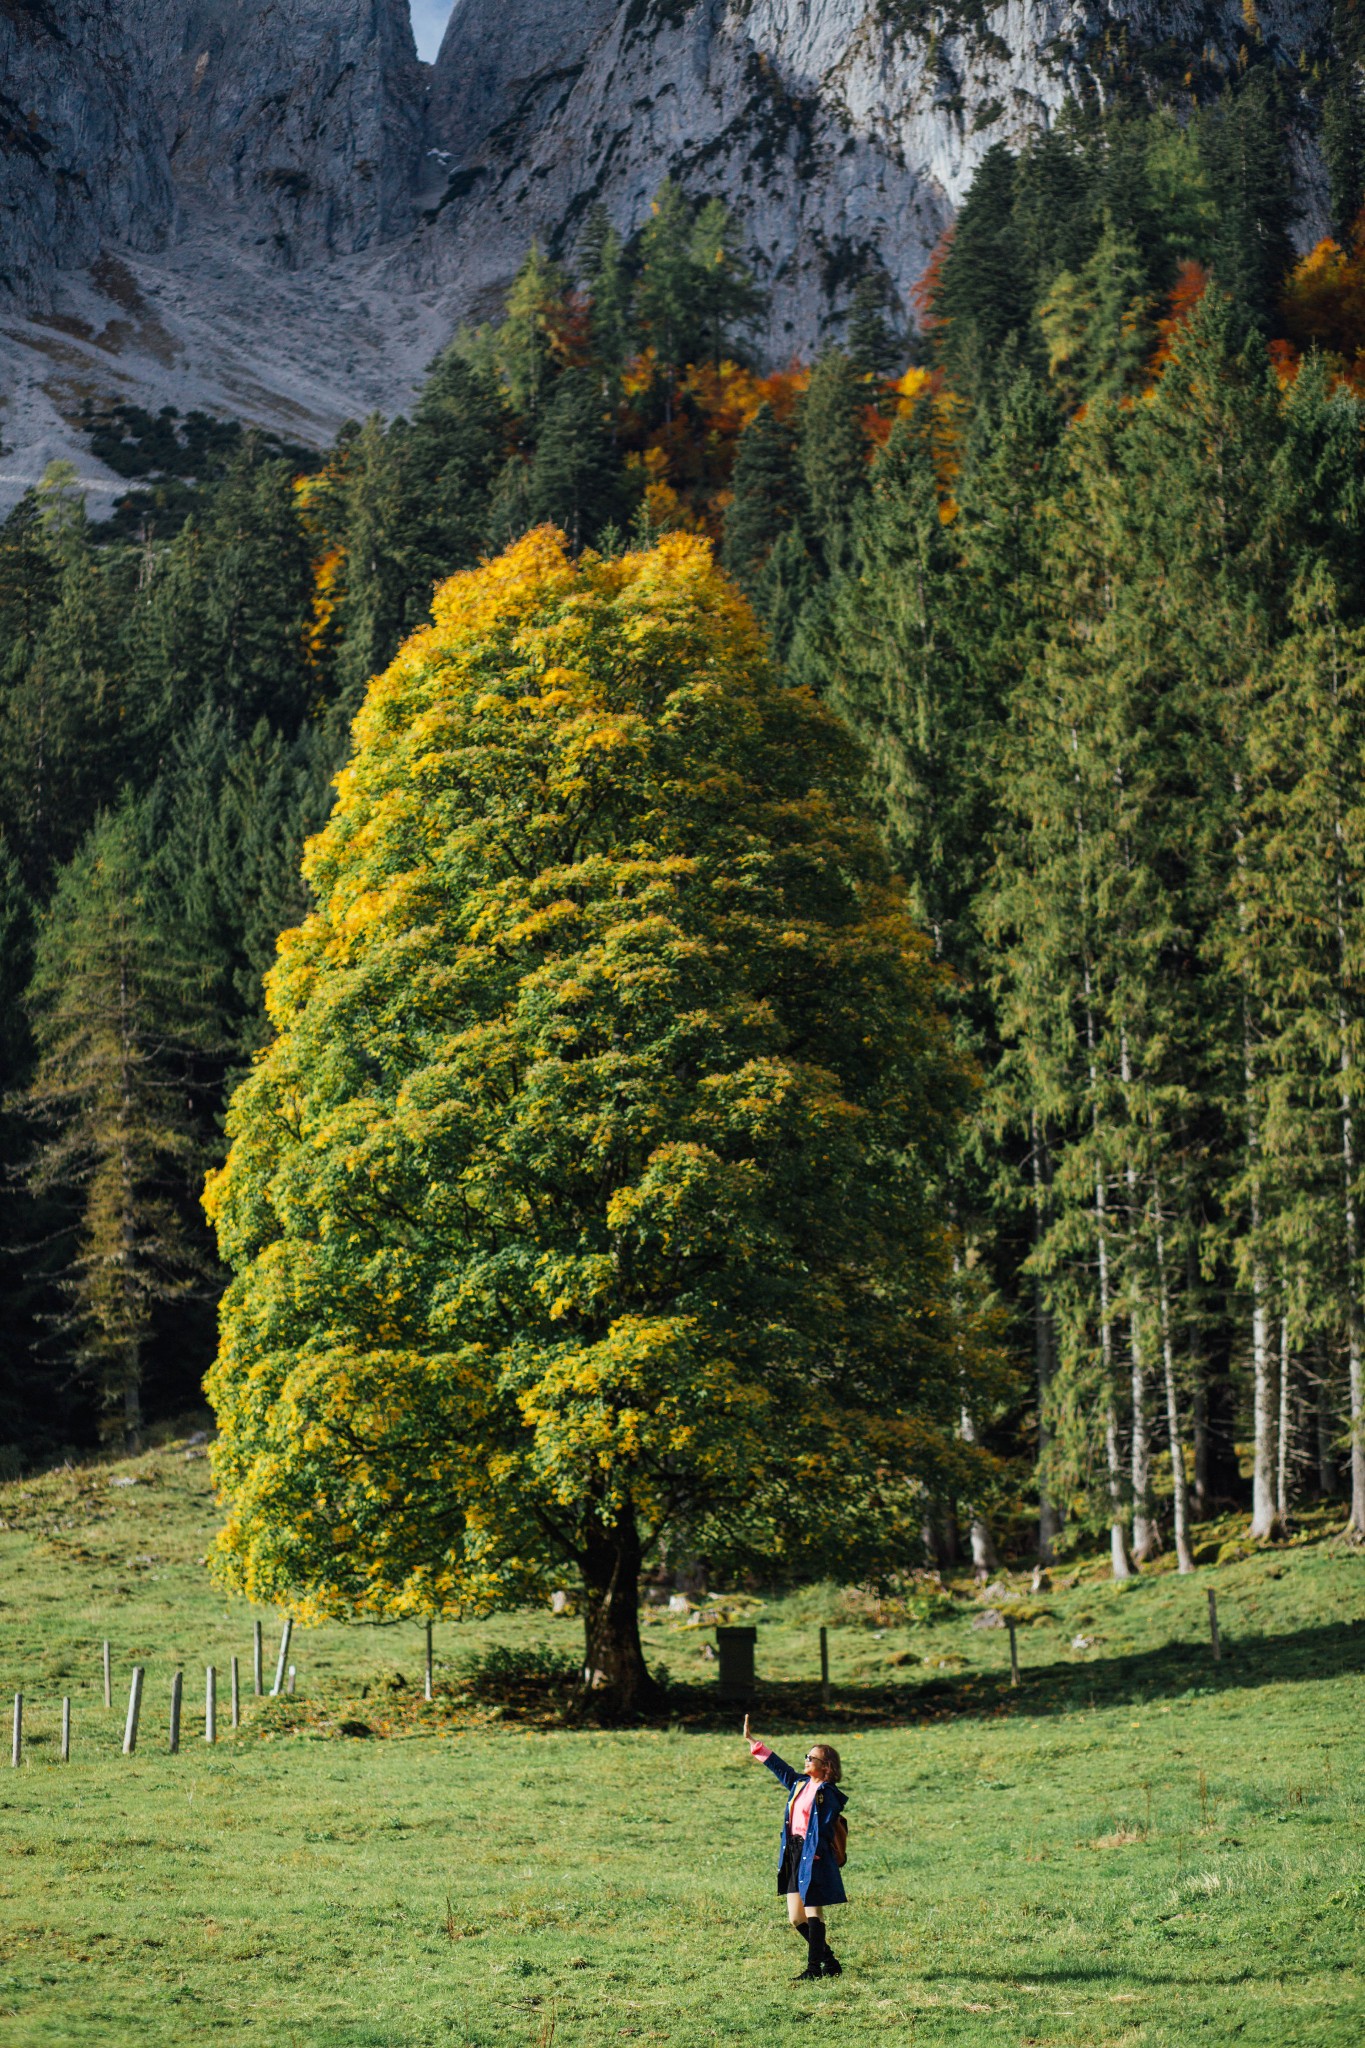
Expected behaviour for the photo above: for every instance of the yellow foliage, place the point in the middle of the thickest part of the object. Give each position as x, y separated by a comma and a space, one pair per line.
589, 1159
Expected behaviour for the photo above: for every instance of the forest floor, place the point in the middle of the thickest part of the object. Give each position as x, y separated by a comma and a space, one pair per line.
1137, 1847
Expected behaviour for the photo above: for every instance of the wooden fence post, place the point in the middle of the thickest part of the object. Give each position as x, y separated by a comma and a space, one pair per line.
280, 1667
824, 1667
108, 1679
134, 1711
236, 1696
428, 1690
257, 1671
66, 1731
1213, 1627
210, 1704
177, 1694
1014, 1651
17, 1751
289, 1688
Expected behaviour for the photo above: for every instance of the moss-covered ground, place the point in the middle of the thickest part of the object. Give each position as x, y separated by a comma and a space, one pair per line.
1137, 1847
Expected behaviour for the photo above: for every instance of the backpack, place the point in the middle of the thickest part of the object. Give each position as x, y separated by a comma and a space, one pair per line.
838, 1841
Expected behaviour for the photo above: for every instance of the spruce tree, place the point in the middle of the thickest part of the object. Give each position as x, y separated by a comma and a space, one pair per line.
985, 290
671, 315
765, 497
117, 1023
576, 480
832, 455
524, 345
607, 281
74, 724
874, 347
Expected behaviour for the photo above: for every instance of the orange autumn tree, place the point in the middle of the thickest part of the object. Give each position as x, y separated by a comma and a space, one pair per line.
584, 1200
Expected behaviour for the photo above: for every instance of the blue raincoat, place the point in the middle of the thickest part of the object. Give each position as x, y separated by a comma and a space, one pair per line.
820, 1880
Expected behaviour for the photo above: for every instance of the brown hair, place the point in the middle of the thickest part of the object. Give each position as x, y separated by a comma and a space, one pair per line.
829, 1758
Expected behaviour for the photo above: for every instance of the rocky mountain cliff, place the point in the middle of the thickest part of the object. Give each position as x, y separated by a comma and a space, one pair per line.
269, 207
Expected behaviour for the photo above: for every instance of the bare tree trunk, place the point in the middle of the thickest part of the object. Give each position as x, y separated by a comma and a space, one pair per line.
1263, 1397
1351, 1246
985, 1558
1282, 1462
1356, 1523
1144, 1535
1183, 1552
1327, 1457
1049, 1522
1118, 1549
1140, 1445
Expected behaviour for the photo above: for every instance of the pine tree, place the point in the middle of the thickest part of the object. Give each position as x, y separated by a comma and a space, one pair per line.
1246, 150
726, 298
898, 679
576, 479
832, 455
1097, 323
228, 612
115, 1022
765, 501
671, 315
602, 267
875, 348
524, 346
985, 290
73, 723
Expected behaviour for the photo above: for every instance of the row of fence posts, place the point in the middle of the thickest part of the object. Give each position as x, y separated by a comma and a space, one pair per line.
1016, 1678
285, 1678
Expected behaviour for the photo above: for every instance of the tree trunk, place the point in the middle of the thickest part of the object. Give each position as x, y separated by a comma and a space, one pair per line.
615, 1673
1049, 1521
1350, 1221
985, 1558
1263, 1396
132, 1414
1327, 1430
1183, 1552
1282, 1460
1118, 1548
1144, 1535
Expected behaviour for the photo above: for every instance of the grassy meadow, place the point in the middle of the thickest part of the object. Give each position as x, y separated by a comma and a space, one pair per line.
1136, 1848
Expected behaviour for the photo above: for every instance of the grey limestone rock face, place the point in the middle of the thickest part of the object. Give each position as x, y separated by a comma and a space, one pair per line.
297, 124
82, 157
843, 132
270, 208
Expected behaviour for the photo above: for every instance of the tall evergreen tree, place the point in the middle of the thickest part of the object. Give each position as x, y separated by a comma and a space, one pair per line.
117, 1022
576, 479
832, 455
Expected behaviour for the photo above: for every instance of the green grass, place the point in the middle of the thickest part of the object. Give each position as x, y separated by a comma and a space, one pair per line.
1138, 1848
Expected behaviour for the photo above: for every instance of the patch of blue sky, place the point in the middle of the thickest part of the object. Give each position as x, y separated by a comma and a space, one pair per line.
429, 18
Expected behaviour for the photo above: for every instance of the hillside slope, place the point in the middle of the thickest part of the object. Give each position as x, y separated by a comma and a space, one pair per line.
278, 213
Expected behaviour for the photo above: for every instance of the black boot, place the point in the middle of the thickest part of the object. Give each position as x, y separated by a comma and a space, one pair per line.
830, 1966
803, 1928
818, 1948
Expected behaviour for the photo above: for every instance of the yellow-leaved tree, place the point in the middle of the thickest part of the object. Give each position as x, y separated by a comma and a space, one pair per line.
585, 1199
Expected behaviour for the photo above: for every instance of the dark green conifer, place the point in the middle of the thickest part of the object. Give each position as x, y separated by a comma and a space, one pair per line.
832, 454
576, 480
766, 497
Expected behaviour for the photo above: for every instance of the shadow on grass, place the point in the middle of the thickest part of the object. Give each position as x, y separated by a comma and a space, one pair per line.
1059, 1686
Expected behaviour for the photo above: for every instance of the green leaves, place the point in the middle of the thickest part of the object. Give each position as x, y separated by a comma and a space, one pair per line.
594, 1147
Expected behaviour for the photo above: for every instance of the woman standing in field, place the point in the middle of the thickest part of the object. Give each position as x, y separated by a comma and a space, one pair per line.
812, 1846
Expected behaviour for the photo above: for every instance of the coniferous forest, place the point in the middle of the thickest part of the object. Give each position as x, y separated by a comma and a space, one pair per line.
1075, 546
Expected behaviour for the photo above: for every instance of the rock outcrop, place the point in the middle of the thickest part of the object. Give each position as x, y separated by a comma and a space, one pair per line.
83, 159
269, 206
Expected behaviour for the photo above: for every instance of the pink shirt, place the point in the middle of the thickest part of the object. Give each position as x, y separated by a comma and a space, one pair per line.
802, 1800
